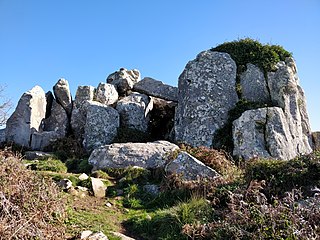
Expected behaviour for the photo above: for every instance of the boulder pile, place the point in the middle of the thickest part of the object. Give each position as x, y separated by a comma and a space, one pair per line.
210, 88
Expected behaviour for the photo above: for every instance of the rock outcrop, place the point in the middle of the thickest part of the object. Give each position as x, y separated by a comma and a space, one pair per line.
124, 80
254, 86
27, 117
121, 155
58, 120
157, 89
101, 127
79, 111
134, 111
207, 91
63, 96
190, 168
106, 94
281, 132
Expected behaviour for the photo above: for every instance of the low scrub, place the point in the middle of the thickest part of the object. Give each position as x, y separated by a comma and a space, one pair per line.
31, 205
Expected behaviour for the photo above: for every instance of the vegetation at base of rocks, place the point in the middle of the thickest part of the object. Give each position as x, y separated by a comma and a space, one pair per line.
31, 205
49, 164
223, 137
219, 160
67, 148
247, 50
281, 176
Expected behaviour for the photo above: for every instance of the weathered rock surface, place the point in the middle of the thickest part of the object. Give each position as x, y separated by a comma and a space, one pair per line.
124, 80
207, 91
288, 95
264, 133
155, 88
63, 96
145, 155
41, 140
101, 127
98, 187
79, 111
134, 111
190, 168
58, 120
106, 94
84, 93
316, 140
254, 85
27, 117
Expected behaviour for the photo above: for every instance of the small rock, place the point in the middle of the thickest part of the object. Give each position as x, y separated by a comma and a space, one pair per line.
122, 236
108, 204
124, 80
83, 176
190, 168
85, 234
97, 236
65, 184
98, 187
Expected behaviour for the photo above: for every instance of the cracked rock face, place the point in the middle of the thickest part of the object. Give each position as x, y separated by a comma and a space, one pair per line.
207, 91
263, 133
101, 127
27, 117
281, 132
63, 96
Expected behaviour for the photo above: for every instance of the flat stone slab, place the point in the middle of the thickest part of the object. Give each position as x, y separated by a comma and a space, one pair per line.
156, 88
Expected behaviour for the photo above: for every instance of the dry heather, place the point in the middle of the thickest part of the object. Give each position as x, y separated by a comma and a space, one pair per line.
31, 206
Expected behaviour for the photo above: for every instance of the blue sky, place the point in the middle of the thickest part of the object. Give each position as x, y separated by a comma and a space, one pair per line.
85, 41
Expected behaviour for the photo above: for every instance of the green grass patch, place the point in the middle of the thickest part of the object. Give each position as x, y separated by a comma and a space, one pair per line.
50, 164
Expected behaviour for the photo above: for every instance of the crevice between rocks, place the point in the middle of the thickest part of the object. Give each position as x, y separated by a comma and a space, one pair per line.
265, 132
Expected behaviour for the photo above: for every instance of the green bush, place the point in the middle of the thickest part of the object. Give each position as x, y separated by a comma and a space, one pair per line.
248, 50
281, 176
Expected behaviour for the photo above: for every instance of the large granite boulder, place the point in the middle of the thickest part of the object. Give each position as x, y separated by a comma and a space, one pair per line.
207, 91
101, 127
149, 155
155, 88
79, 111
287, 94
264, 133
254, 85
41, 140
124, 80
63, 96
58, 120
106, 94
27, 117
134, 111
190, 168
